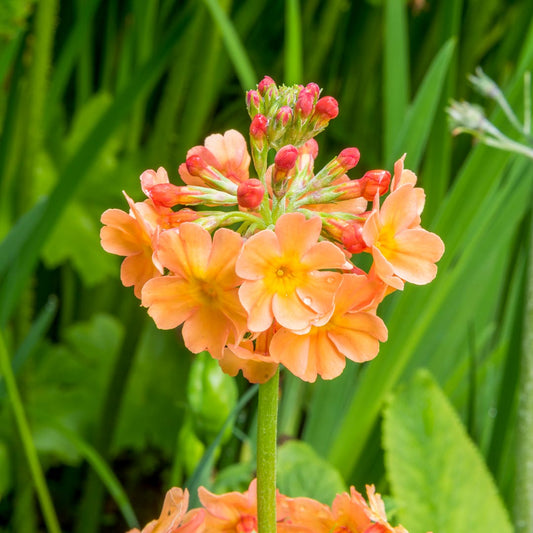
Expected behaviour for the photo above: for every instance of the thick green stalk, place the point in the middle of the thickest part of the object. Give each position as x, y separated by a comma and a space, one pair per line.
266, 454
524, 477
39, 481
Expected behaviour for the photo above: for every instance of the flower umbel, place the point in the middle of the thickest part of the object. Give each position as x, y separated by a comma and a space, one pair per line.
284, 285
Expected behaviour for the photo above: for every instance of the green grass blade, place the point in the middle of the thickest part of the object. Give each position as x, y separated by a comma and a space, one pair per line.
395, 73
414, 133
39, 481
293, 43
33, 338
104, 471
76, 169
237, 52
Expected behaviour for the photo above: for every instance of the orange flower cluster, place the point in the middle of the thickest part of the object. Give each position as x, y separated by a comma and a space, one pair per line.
276, 279
237, 513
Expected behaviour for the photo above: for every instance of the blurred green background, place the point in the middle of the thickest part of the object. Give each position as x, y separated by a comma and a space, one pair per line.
92, 93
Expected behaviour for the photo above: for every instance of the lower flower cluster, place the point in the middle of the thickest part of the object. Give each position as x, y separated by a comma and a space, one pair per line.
236, 512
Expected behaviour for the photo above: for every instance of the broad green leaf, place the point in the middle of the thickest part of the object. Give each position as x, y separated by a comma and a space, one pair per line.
302, 472
439, 479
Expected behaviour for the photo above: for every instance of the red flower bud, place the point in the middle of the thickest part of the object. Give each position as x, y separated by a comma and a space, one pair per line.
253, 99
313, 88
286, 158
304, 104
258, 127
352, 237
327, 107
374, 181
250, 193
195, 165
264, 84
284, 115
348, 158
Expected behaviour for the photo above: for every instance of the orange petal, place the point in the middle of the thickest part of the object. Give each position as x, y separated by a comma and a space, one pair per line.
121, 234
136, 270
257, 255
384, 270
329, 361
323, 255
258, 303
400, 208
292, 351
291, 312
318, 291
357, 335
170, 301
226, 248
297, 235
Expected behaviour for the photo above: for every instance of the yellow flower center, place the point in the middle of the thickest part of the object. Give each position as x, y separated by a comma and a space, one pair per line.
386, 241
285, 276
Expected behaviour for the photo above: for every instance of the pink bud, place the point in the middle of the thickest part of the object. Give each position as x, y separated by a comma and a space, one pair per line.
327, 107
258, 127
286, 158
304, 104
348, 158
352, 237
284, 115
374, 181
264, 84
250, 193
169, 195
253, 98
195, 165
314, 89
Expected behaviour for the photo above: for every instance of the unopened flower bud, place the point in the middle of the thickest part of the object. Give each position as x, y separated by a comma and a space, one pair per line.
374, 181
348, 158
352, 237
304, 104
266, 85
314, 89
327, 108
250, 193
165, 194
284, 115
258, 127
253, 101
195, 165
286, 158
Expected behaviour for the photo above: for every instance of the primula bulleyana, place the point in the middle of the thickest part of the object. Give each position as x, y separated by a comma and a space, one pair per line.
352, 331
201, 289
236, 512
280, 286
283, 277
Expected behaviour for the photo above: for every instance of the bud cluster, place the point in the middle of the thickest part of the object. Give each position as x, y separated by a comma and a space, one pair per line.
288, 115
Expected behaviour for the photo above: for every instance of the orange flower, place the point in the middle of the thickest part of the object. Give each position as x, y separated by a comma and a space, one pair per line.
352, 331
401, 249
174, 517
282, 274
131, 235
226, 153
232, 512
353, 515
254, 361
201, 291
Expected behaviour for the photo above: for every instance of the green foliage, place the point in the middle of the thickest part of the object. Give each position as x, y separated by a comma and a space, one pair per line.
94, 92
429, 453
302, 472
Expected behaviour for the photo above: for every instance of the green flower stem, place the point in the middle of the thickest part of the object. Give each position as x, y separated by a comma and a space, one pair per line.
266, 454
39, 481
